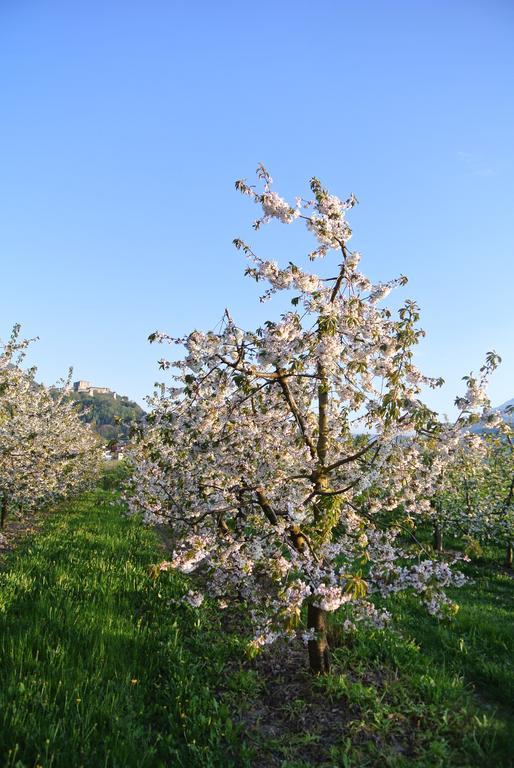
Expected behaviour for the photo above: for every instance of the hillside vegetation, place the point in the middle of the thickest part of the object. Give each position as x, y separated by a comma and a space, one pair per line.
112, 418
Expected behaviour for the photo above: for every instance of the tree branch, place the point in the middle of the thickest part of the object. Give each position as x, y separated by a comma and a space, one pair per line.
295, 410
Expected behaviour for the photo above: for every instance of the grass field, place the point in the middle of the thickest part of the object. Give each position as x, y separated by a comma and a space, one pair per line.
99, 667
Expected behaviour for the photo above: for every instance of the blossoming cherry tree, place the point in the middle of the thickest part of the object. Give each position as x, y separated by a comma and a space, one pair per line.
279, 455
46, 452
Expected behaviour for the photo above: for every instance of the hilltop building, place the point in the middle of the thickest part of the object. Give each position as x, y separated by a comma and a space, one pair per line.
87, 388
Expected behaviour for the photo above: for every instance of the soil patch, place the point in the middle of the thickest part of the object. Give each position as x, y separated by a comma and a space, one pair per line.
17, 528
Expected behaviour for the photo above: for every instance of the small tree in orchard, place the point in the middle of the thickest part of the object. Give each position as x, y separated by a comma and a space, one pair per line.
456, 458
484, 495
500, 489
277, 452
447, 453
46, 452
450, 508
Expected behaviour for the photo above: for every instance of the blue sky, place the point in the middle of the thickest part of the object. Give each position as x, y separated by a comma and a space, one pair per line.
124, 124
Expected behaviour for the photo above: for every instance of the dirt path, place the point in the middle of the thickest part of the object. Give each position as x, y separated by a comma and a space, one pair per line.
16, 528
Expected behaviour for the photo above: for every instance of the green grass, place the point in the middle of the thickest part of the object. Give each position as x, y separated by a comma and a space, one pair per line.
97, 668
100, 667
479, 642
421, 698
426, 694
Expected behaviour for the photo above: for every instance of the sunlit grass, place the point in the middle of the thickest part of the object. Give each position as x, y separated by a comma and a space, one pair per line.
96, 668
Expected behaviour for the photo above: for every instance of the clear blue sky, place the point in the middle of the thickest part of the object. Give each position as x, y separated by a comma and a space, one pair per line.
124, 124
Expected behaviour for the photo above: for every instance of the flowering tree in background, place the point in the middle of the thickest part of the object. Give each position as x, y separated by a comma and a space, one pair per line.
279, 454
46, 452
482, 496
454, 452
500, 489
446, 513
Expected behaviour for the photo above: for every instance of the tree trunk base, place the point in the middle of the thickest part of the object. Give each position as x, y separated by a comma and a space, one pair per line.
438, 540
319, 652
3, 511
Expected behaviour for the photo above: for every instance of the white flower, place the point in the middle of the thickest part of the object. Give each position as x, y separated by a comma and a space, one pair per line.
330, 598
274, 207
308, 635
194, 599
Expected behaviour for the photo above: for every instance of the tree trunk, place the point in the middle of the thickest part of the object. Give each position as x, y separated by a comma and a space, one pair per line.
508, 556
319, 656
438, 538
3, 510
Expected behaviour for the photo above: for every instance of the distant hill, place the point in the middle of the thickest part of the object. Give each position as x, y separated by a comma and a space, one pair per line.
507, 412
111, 415
505, 407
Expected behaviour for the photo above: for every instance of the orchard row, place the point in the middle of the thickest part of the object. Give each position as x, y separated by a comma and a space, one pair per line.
46, 452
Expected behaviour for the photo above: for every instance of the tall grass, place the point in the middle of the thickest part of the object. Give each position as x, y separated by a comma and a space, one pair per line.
98, 667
